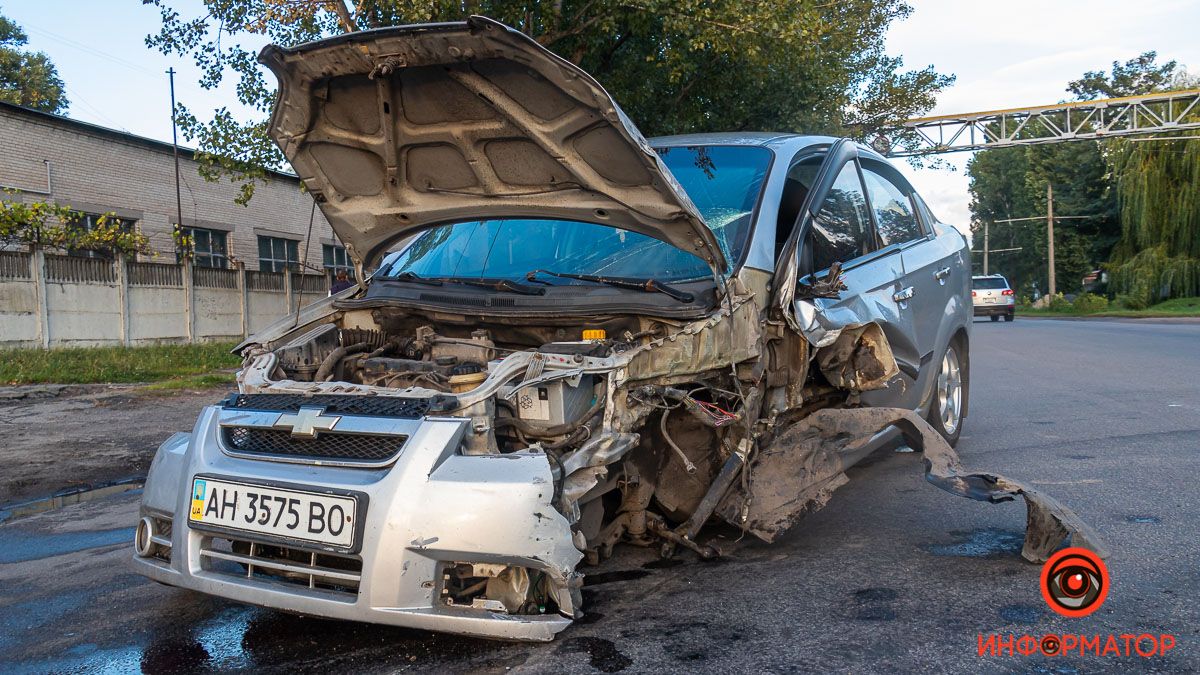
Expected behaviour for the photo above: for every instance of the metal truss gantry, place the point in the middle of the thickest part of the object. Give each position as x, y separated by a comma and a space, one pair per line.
1083, 120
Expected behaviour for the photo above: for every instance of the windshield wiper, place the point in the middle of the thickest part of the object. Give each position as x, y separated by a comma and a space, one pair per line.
494, 284
415, 278
648, 285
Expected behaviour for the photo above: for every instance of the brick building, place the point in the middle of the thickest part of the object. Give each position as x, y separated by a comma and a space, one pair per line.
98, 170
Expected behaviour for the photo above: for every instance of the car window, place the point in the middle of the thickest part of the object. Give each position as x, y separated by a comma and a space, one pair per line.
840, 230
893, 210
926, 212
989, 283
796, 186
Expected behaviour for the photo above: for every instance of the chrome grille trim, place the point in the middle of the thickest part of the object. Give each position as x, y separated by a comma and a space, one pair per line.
307, 450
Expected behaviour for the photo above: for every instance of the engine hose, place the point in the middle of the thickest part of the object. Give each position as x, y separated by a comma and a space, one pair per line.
687, 463
331, 361
576, 436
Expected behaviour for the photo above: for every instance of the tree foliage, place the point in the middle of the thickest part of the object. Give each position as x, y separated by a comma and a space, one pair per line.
675, 66
27, 78
1140, 75
1158, 185
1141, 200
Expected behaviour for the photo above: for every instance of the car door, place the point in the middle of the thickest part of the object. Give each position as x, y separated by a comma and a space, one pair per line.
837, 226
930, 266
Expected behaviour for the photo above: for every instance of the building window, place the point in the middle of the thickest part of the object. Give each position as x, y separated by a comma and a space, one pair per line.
276, 254
88, 222
209, 247
336, 260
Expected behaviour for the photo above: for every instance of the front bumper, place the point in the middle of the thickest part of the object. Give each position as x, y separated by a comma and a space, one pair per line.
431, 507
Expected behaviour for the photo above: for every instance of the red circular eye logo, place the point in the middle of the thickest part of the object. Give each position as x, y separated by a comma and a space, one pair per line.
1074, 582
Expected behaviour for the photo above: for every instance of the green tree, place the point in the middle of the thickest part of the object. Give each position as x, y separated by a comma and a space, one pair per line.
1136, 76
1096, 181
27, 78
1158, 193
675, 66
998, 192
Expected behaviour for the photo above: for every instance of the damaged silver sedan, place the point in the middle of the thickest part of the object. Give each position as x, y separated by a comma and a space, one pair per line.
573, 338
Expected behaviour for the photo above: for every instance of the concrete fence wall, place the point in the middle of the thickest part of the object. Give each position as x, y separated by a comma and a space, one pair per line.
51, 300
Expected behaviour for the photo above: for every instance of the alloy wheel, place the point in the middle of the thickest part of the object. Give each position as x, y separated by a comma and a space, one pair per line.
949, 391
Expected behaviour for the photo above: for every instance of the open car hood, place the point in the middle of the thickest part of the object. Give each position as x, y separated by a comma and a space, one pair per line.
398, 129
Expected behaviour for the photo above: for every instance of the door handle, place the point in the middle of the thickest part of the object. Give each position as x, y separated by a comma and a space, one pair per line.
903, 294
942, 273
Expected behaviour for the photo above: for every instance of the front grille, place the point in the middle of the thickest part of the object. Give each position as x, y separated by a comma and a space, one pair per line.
337, 574
335, 404
327, 446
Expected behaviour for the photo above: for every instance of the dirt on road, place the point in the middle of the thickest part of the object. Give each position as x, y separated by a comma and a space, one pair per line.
83, 437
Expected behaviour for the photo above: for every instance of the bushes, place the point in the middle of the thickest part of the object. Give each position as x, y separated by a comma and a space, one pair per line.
1133, 302
1089, 303
1152, 276
1059, 304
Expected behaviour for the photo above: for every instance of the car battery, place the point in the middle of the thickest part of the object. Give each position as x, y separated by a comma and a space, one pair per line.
555, 402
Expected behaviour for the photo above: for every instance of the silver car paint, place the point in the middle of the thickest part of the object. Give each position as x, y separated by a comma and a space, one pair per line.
406, 536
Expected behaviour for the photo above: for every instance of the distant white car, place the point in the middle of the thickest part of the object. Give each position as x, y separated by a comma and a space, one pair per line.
992, 296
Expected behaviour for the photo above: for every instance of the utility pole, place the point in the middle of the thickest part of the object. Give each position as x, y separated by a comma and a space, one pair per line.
1050, 233
985, 248
175, 148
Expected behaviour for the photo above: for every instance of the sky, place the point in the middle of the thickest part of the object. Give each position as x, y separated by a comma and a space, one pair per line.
1011, 54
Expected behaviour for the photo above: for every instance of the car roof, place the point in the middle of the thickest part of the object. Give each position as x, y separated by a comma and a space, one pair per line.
761, 138
782, 142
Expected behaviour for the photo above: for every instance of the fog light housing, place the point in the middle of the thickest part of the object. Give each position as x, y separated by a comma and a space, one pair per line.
143, 537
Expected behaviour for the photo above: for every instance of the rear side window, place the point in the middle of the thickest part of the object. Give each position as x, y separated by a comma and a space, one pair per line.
893, 210
989, 283
840, 228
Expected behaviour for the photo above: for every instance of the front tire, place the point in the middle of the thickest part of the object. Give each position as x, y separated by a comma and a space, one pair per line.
950, 393
995, 318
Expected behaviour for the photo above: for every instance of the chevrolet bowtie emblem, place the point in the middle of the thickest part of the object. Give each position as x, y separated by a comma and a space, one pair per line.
307, 422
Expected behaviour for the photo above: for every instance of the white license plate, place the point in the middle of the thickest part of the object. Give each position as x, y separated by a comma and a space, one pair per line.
273, 511
990, 301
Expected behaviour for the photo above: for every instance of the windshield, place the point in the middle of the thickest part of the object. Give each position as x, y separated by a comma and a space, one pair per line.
723, 181
989, 283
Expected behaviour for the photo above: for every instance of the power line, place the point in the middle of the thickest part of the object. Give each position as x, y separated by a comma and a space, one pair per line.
75, 97
91, 50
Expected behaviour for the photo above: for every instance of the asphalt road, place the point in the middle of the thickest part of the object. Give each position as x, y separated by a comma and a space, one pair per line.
892, 575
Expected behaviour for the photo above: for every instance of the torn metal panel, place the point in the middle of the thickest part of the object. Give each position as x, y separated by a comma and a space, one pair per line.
796, 474
859, 359
711, 343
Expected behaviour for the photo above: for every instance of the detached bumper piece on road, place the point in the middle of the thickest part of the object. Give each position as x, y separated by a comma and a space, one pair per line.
1048, 523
